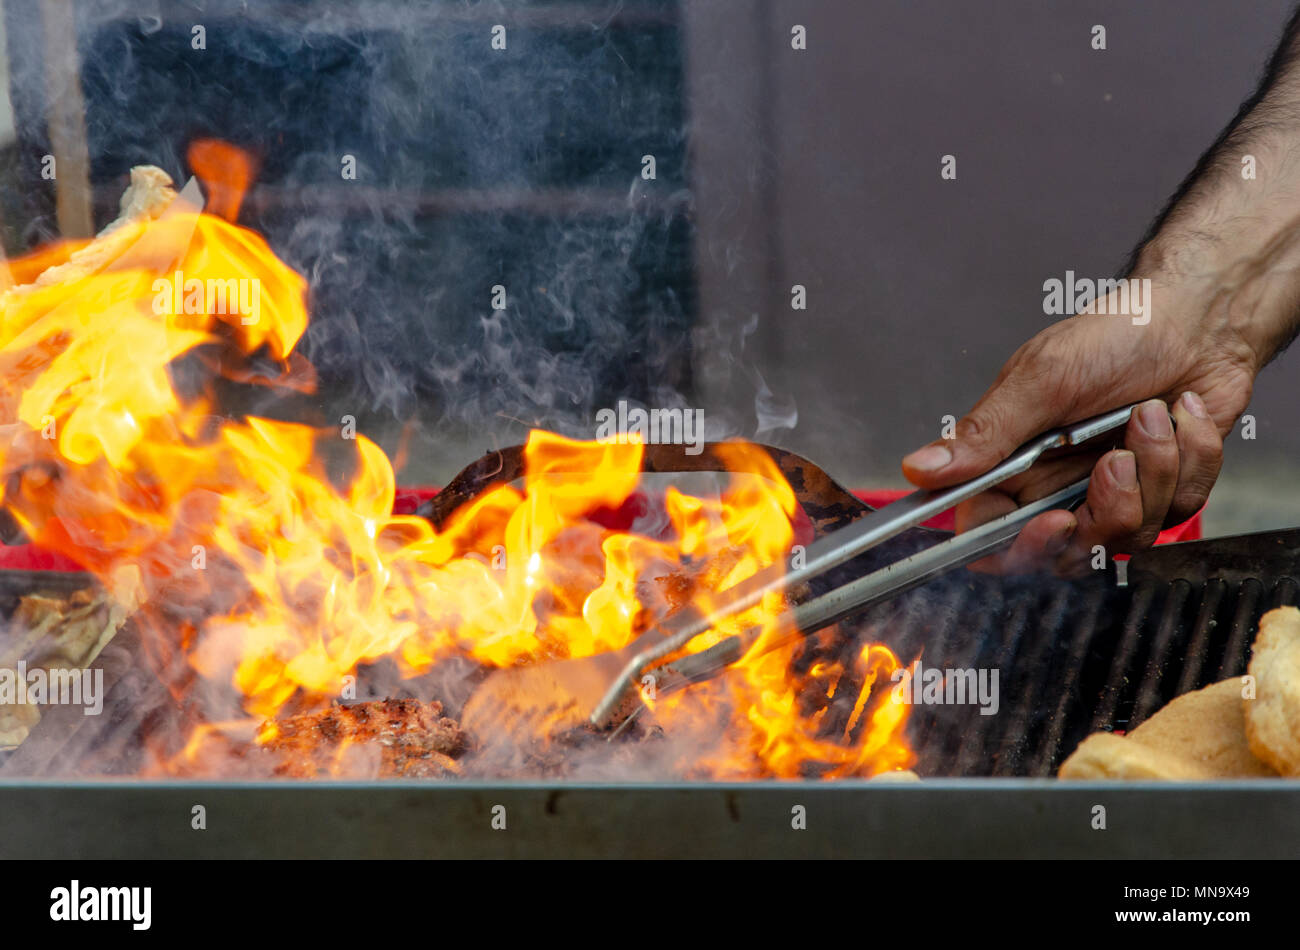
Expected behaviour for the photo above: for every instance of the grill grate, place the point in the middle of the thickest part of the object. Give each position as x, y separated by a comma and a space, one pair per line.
1084, 656
1073, 657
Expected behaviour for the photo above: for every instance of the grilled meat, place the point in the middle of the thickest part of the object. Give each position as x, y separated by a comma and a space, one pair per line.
392, 738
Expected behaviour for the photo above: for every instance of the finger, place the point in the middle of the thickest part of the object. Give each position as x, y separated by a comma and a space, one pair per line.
1008, 415
1044, 537
1200, 457
1150, 437
984, 507
1112, 513
1128, 500
974, 512
1040, 542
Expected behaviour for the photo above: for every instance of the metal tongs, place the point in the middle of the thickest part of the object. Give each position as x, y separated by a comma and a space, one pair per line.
835, 549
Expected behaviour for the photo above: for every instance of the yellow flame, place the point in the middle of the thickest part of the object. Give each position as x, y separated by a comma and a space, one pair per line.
302, 579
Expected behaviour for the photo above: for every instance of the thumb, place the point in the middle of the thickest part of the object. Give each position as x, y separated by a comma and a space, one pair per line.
1005, 418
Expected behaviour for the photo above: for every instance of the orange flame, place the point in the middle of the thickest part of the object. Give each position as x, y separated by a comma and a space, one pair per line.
301, 577
226, 171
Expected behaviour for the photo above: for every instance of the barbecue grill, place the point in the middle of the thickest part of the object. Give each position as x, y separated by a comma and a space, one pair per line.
1074, 657
625, 189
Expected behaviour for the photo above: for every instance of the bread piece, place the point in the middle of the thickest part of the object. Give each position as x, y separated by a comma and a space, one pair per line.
147, 197
1199, 736
1273, 716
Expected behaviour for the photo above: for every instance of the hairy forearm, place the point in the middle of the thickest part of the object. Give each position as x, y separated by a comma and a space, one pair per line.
1227, 246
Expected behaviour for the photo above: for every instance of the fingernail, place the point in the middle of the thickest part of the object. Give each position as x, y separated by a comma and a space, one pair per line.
1192, 403
1154, 417
929, 459
1059, 541
1123, 468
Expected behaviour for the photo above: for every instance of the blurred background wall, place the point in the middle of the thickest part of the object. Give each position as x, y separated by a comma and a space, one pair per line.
774, 166
920, 288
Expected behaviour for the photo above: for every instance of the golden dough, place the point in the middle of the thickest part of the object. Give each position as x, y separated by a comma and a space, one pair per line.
1273, 716
1200, 735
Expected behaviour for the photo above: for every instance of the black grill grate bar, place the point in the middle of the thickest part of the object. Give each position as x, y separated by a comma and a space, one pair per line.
964, 730
931, 650
975, 742
1149, 697
1104, 716
1203, 630
1284, 593
1028, 688
1066, 688
1244, 620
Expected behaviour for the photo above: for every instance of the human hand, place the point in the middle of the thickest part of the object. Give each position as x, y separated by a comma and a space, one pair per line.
1190, 365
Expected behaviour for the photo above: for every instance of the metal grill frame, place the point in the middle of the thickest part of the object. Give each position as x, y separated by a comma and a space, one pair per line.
945, 818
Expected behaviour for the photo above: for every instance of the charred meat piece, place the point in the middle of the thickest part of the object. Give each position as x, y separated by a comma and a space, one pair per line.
681, 586
392, 738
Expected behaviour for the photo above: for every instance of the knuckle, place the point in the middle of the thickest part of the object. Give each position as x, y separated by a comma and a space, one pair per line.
1201, 441
1127, 518
1209, 453
1145, 537
982, 424
1197, 485
1158, 477
1189, 499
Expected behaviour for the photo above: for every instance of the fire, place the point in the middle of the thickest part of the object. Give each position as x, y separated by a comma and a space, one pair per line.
272, 579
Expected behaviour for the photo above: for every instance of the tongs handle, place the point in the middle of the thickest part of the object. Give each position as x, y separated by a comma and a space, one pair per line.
872, 529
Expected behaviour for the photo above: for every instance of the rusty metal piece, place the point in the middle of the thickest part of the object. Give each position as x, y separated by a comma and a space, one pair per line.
828, 504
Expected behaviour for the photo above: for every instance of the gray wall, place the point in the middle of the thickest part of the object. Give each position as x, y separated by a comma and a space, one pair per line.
821, 167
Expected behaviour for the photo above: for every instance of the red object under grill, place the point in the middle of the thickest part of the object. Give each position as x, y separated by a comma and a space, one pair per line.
29, 557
